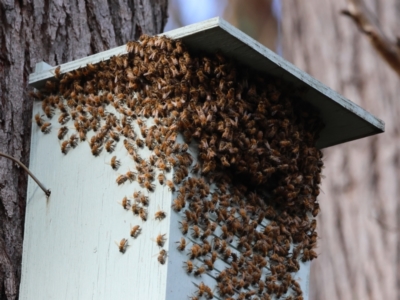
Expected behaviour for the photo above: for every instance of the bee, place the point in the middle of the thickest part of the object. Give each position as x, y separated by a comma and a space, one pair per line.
96, 149
125, 203
189, 266
209, 263
178, 203
57, 72
184, 227
160, 240
205, 234
143, 214
135, 231
162, 256
39, 120
63, 118
205, 290
48, 111
161, 178
130, 175
73, 140
62, 132
199, 271
135, 209
121, 179
181, 244
149, 186
195, 251
136, 195
172, 161
115, 163
110, 146
46, 127
144, 200
122, 245
214, 256
114, 135
65, 147
171, 185
196, 231
196, 168
159, 215
82, 134
139, 143
162, 166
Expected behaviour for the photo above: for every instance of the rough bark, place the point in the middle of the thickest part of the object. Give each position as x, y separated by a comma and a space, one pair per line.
55, 32
359, 247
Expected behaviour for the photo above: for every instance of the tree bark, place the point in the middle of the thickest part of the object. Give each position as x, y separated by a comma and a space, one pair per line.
55, 32
358, 225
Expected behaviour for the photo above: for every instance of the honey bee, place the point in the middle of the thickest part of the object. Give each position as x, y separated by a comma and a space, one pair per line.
139, 143
96, 149
65, 147
135, 209
62, 132
122, 245
196, 231
189, 267
143, 214
130, 176
57, 72
209, 263
184, 227
161, 178
121, 179
162, 256
125, 203
196, 168
159, 215
73, 140
144, 200
135, 231
149, 186
199, 271
195, 251
63, 118
39, 120
114, 135
182, 244
160, 240
46, 127
110, 146
171, 185
115, 163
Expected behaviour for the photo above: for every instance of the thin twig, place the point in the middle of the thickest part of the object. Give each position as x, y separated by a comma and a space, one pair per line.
46, 191
367, 24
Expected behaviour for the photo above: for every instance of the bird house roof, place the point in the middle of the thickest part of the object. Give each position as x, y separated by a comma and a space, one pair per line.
344, 120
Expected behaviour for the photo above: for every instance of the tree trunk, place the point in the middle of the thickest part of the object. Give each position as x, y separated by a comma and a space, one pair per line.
55, 32
359, 245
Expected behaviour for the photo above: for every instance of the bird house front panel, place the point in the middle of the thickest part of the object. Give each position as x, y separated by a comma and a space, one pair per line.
174, 174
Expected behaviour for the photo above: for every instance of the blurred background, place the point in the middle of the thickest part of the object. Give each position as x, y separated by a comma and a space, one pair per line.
359, 224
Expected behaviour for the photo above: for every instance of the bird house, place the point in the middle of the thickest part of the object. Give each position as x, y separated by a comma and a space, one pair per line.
182, 165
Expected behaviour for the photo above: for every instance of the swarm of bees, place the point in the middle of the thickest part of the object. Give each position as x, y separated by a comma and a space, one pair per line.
257, 173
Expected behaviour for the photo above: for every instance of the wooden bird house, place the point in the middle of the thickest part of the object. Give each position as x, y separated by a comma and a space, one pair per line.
183, 165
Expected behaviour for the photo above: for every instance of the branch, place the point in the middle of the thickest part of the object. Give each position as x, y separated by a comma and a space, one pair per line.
366, 23
47, 192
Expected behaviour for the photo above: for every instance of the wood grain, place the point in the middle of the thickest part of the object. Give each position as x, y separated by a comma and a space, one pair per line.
359, 219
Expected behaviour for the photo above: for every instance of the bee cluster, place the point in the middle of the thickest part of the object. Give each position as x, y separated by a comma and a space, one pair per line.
249, 200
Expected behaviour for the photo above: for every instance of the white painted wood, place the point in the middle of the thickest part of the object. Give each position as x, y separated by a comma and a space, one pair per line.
344, 120
69, 249
42, 66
